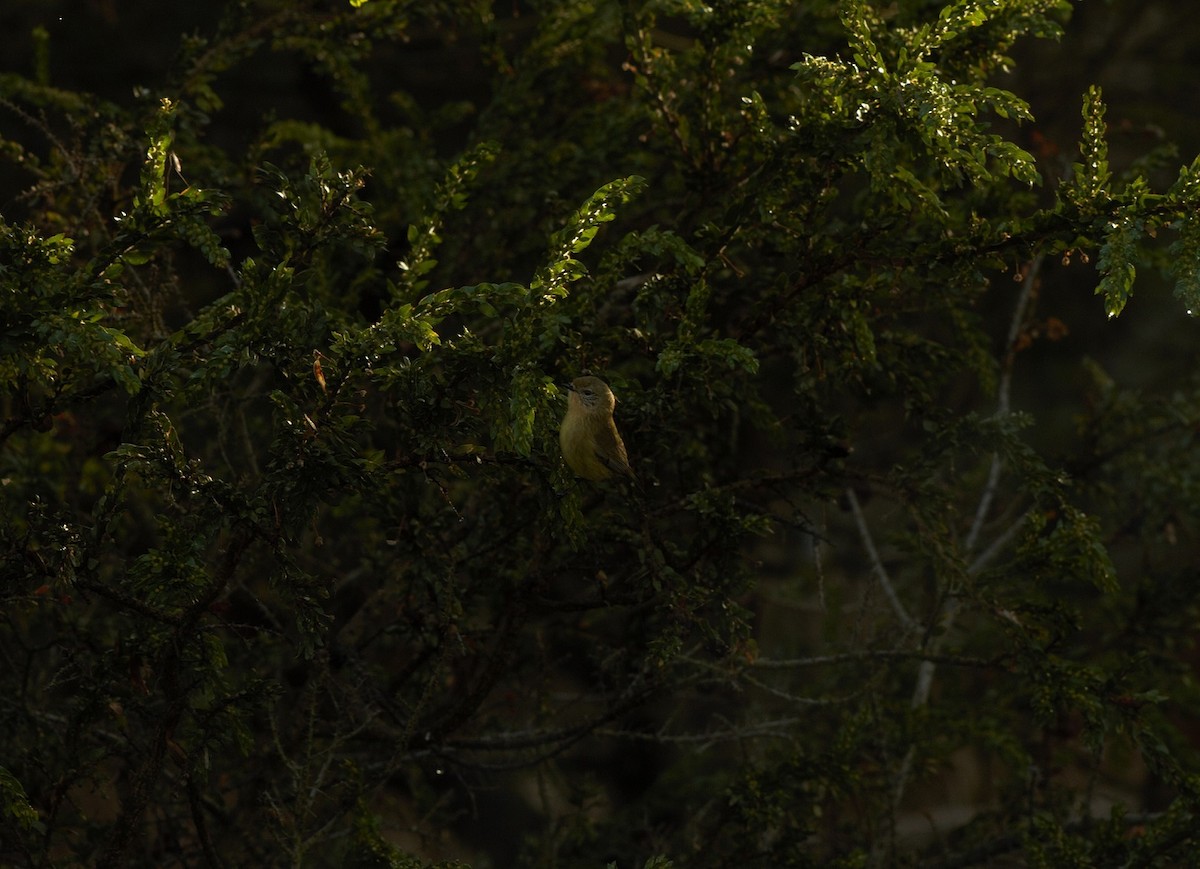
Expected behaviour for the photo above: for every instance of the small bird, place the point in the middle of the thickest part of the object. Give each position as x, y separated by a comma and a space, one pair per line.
588, 436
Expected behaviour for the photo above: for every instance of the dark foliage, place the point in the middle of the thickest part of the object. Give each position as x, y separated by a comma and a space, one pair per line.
291, 571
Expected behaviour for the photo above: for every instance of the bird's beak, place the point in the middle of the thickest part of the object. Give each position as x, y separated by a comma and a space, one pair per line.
569, 387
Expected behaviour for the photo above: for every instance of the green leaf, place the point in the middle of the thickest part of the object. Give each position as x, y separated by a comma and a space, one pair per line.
15, 804
152, 192
551, 280
1116, 262
1088, 186
1184, 259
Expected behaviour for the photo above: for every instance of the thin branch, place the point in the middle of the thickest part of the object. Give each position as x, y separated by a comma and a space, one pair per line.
873, 655
796, 698
817, 565
780, 728
997, 546
1003, 397
985, 853
535, 738
127, 601
196, 803
877, 564
928, 667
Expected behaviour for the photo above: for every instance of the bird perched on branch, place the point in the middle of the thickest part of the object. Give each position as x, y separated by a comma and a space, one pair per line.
588, 436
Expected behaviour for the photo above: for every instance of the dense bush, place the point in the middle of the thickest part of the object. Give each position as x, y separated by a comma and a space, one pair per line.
293, 573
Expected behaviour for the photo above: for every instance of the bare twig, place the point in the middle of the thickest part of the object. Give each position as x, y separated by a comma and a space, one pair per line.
928, 667
877, 564
780, 728
997, 546
872, 655
1003, 396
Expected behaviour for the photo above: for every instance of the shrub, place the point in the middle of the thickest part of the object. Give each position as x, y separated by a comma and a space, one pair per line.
293, 572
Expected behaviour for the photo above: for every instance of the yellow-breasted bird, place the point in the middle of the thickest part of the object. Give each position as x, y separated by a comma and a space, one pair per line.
588, 436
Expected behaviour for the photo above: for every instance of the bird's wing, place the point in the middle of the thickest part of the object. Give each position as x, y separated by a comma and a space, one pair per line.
610, 452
